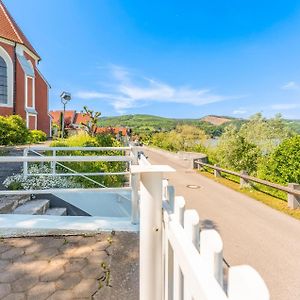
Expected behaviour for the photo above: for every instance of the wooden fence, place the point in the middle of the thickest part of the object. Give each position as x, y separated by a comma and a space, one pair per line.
292, 190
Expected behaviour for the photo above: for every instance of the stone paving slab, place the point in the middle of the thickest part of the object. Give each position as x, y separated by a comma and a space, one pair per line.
101, 266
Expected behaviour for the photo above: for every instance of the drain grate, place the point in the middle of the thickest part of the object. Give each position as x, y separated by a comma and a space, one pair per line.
193, 186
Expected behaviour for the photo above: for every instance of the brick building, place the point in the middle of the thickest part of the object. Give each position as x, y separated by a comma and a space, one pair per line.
23, 89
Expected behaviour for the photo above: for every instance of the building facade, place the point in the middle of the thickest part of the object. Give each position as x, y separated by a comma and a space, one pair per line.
23, 89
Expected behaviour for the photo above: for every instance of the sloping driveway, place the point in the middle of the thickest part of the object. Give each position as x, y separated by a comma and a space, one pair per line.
252, 232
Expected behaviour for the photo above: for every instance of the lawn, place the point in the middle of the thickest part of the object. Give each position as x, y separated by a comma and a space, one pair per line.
274, 202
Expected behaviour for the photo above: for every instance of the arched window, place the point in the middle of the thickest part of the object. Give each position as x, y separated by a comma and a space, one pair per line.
3, 82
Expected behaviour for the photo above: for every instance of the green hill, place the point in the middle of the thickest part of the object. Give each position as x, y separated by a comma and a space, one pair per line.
149, 123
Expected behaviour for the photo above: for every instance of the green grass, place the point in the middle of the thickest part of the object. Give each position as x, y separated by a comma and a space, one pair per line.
274, 202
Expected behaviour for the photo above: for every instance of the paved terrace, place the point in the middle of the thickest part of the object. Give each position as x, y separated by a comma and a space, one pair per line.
102, 266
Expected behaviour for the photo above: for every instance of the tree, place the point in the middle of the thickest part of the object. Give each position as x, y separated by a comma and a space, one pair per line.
266, 134
91, 125
235, 152
283, 165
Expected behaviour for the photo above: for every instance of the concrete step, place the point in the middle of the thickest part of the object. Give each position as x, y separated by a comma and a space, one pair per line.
33, 207
10, 202
56, 211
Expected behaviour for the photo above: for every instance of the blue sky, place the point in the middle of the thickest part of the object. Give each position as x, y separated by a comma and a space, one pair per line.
169, 58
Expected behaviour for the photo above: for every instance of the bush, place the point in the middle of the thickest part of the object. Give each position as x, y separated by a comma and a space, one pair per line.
13, 130
283, 164
36, 136
84, 140
235, 153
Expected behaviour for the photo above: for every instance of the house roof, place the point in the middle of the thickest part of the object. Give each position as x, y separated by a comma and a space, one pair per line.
81, 118
10, 30
114, 130
69, 116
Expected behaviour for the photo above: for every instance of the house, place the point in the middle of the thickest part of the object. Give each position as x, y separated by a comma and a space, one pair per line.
69, 117
74, 120
23, 89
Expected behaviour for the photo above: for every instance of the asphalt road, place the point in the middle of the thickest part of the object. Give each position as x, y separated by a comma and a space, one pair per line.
252, 232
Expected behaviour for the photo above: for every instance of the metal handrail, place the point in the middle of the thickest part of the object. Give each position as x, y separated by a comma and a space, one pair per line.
79, 148
73, 171
89, 158
251, 178
83, 175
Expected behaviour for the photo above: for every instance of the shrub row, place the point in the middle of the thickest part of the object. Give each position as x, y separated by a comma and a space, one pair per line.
84, 140
13, 131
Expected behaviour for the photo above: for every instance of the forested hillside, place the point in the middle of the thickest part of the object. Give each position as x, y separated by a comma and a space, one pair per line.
149, 123
143, 124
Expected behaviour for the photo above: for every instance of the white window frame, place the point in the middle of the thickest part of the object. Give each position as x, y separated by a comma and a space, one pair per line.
26, 92
27, 119
10, 78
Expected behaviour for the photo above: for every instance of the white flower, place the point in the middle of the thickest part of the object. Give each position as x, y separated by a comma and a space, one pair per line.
40, 182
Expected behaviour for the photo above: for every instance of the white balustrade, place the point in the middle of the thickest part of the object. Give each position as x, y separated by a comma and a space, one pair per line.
191, 259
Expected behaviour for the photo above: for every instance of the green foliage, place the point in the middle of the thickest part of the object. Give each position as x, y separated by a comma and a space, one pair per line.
13, 130
37, 136
283, 165
92, 124
102, 140
183, 138
146, 125
266, 134
235, 152
293, 125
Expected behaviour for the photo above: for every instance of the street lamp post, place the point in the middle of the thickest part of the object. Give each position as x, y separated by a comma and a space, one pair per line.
65, 97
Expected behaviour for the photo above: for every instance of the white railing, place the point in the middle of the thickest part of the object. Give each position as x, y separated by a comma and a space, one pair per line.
129, 155
178, 260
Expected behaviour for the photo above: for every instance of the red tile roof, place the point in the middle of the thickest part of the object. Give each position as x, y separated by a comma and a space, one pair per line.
114, 130
80, 118
69, 116
74, 118
10, 30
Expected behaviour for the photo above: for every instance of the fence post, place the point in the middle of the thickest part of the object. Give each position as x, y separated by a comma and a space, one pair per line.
244, 183
245, 283
211, 249
53, 163
151, 268
293, 200
179, 206
217, 173
25, 164
192, 229
134, 182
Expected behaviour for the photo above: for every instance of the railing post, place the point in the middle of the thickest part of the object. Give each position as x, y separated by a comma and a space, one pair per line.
192, 229
245, 283
53, 163
244, 183
134, 182
179, 207
151, 269
217, 173
25, 164
211, 249
293, 200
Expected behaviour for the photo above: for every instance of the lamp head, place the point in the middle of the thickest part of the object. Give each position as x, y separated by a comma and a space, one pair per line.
65, 97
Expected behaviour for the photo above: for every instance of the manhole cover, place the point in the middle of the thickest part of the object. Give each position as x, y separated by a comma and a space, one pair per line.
193, 186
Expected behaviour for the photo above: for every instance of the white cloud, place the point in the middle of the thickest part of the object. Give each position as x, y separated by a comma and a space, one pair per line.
239, 111
292, 85
285, 106
128, 90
